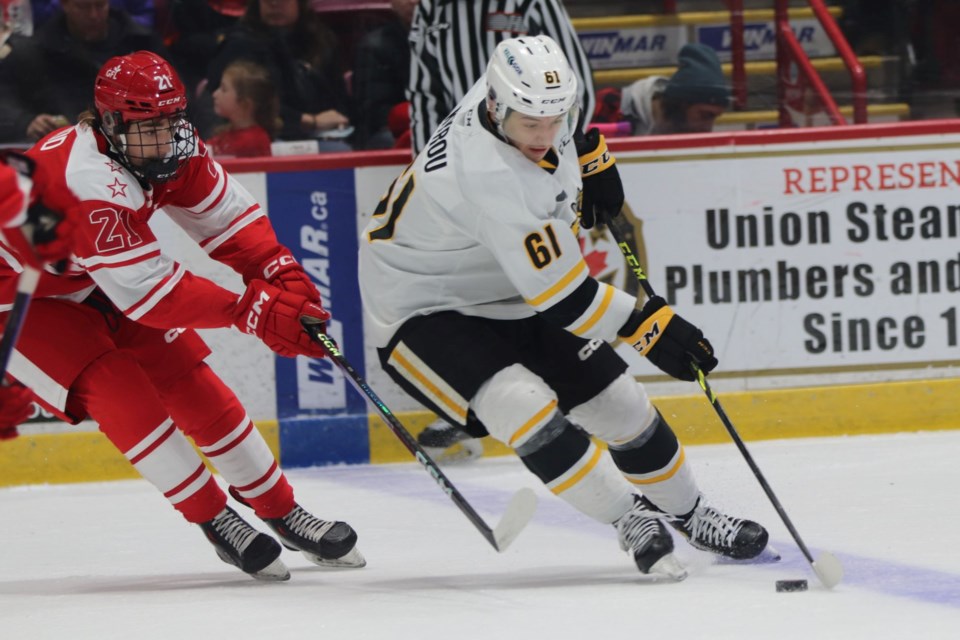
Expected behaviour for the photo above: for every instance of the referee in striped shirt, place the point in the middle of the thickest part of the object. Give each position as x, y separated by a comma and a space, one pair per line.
452, 40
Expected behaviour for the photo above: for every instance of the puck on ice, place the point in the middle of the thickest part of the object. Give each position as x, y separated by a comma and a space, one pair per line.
786, 586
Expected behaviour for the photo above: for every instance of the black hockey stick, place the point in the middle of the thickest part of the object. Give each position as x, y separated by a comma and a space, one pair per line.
826, 566
522, 505
26, 285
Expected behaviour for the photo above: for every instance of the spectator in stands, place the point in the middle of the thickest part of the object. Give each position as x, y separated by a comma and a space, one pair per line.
200, 26
247, 99
46, 81
142, 11
689, 101
300, 52
380, 76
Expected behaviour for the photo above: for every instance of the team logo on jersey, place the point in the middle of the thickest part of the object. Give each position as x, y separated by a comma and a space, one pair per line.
117, 188
113, 166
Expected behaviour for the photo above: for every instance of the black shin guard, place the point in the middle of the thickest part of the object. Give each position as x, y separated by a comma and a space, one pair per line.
554, 449
651, 451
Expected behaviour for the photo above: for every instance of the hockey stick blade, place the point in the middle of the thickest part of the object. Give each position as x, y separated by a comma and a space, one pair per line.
828, 569
517, 516
522, 504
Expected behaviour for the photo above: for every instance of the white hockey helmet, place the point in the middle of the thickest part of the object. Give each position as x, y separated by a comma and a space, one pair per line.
530, 75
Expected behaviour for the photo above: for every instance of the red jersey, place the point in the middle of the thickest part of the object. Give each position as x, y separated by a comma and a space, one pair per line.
14, 192
116, 250
241, 143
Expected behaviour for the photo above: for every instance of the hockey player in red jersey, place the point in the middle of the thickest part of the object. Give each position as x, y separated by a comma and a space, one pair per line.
113, 337
39, 235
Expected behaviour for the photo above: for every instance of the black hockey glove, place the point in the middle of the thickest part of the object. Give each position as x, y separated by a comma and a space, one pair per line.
602, 196
668, 341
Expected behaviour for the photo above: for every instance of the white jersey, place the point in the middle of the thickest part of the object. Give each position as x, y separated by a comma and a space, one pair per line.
474, 226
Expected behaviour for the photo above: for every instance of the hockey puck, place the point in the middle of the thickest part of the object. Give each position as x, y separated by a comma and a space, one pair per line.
786, 586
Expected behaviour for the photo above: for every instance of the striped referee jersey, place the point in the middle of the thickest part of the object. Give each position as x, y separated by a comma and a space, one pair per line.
452, 41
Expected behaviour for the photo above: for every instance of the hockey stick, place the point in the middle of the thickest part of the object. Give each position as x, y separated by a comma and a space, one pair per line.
26, 285
522, 505
826, 566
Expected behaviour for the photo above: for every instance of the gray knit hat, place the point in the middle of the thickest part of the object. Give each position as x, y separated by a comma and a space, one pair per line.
699, 78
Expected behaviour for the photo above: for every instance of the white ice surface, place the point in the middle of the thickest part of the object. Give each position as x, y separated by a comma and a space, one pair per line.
113, 560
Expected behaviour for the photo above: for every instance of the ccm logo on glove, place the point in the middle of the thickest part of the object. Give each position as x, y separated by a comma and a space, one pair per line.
274, 266
668, 341
256, 311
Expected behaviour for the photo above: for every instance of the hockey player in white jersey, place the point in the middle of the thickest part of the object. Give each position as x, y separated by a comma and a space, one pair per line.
483, 309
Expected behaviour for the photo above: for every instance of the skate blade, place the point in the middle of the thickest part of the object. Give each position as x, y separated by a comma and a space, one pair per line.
667, 568
276, 571
353, 559
769, 555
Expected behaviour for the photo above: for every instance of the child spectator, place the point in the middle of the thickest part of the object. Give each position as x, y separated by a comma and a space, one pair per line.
247, 99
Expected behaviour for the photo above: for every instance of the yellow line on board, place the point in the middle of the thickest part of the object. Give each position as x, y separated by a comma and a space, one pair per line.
845, 410
84, 456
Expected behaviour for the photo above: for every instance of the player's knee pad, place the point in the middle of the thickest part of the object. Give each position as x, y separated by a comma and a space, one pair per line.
514, 405
650, 454
618, 414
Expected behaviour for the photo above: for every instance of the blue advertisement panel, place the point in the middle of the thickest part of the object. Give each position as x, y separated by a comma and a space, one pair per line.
314, 214
633, 47
760, 39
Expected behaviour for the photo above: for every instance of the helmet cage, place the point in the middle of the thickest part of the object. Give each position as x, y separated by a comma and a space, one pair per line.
154, 149
141, 105
530, 75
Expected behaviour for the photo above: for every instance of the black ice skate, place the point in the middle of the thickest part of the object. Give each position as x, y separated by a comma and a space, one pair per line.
709, 530
446, 443
324, 543
643, 534
328, 544
241, 545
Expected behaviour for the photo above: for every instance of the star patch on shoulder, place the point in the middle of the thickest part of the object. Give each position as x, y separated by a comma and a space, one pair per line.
117, 188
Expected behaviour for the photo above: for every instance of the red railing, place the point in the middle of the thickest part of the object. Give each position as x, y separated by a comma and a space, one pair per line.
801, 92
800, 88
858, 77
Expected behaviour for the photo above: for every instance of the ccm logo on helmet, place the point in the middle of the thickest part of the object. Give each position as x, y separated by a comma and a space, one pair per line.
552, 100
164, 103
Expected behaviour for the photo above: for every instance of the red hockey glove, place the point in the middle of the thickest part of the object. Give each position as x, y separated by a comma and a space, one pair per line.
15, 409
668, 341
602, 195
283, 271
273, 315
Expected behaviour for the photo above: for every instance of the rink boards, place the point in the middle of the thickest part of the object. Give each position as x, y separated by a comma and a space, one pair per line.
823, 264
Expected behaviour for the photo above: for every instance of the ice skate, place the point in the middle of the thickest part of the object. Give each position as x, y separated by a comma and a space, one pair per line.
643, 534
324, 543
446, 443
708, 529
241, 545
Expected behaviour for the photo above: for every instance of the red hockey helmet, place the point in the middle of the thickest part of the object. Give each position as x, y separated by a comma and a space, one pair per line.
141, 87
